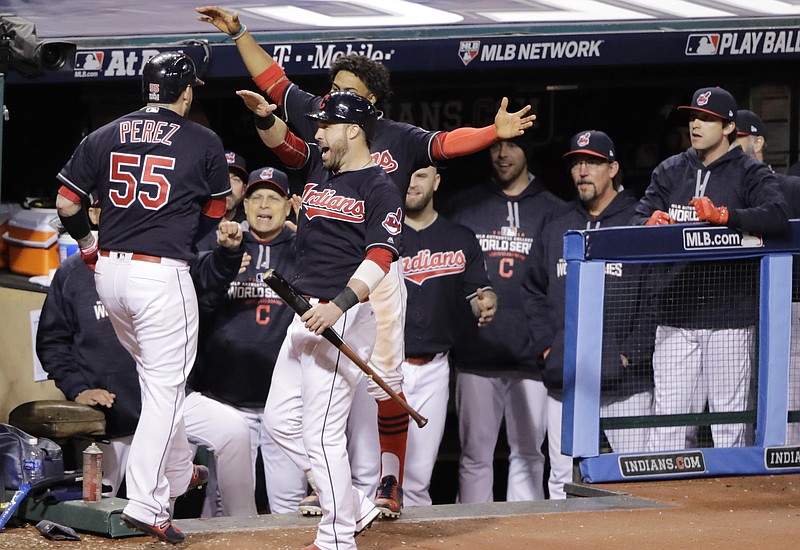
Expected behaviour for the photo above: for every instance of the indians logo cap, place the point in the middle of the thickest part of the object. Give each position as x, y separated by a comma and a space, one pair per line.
592, 142
268, 177
749, 124
237, 164
714, 101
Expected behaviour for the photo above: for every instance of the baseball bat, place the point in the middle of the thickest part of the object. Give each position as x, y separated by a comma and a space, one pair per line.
300, 305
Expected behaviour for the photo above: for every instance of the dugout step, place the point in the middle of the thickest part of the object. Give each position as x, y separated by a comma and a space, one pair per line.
97, 518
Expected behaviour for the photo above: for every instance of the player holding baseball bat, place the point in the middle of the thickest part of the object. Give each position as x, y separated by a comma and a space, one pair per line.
300, 305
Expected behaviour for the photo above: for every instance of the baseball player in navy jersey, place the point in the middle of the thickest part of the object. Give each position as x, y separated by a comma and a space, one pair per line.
751, 136
497, 375
400, 149
348, 233
444, 271
705, 340
77, 346
156, 175
593, 167
240, 338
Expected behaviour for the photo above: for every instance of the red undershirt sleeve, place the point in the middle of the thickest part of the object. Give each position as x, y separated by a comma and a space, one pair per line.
462, 141
381, 256
273, 77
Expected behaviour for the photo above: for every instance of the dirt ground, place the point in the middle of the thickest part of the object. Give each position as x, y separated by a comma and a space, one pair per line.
760, 511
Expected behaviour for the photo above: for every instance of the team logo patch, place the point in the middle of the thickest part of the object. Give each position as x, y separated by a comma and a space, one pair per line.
702, 44
267, 174
385, 160
230, 157
426, 265
702, 99
468, 50
583, 139
393, 222
327, 204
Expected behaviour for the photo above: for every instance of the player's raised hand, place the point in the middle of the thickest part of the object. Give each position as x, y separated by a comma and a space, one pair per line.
257, 103
486, 301
511, 125
245, 262
224, 21
229, 234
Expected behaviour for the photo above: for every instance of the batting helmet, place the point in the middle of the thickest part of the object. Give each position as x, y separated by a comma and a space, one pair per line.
165, 77
338, 107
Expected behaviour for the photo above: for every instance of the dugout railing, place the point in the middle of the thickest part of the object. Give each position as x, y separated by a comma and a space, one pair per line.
589, 254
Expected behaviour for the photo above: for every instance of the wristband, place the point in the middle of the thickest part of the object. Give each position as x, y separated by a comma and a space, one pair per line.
76, 225
265, 122
238, 35
345, 299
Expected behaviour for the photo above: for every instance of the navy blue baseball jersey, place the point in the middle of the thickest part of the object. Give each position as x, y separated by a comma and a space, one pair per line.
545, 288
153, 171
400, 149
747, 187
443, 268
505, 226
342, 216
79, 349
242, 334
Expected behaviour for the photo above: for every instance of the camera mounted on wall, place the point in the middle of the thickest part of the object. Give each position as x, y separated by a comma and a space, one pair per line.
21, 49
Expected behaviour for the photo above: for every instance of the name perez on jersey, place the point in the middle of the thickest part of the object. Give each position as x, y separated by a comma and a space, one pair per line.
426, 265
328, 204
683, 213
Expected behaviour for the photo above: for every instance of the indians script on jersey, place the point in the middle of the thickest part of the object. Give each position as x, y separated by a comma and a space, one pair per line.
427, 265
329, 204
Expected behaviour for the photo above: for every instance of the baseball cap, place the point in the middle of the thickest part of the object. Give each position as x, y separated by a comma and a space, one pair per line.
268, 177
714, 101
236, 163
749, 124
592, 142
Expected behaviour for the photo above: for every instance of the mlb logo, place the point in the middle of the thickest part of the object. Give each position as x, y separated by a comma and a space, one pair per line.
583, 140
468, 50
89, 61
702, 44
154, 91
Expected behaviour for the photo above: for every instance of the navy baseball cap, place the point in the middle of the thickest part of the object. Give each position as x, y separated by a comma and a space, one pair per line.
237, 164
592, 142
268, 177
714, 101
749, 124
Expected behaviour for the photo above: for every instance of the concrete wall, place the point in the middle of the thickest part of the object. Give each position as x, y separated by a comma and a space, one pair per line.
16, 352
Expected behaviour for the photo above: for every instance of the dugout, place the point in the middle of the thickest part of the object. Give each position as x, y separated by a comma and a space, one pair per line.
619, 66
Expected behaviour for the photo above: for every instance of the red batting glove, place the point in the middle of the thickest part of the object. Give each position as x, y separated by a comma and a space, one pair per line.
659, 218
707, 212
89, 254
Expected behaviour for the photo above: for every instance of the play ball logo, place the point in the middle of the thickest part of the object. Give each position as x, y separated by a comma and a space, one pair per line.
702, 99
583, 140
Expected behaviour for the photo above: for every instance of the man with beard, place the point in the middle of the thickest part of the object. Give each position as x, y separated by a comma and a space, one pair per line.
348, 233
444, 274
497, 371
595, 173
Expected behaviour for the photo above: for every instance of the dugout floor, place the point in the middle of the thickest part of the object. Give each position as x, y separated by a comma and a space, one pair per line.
741, 512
